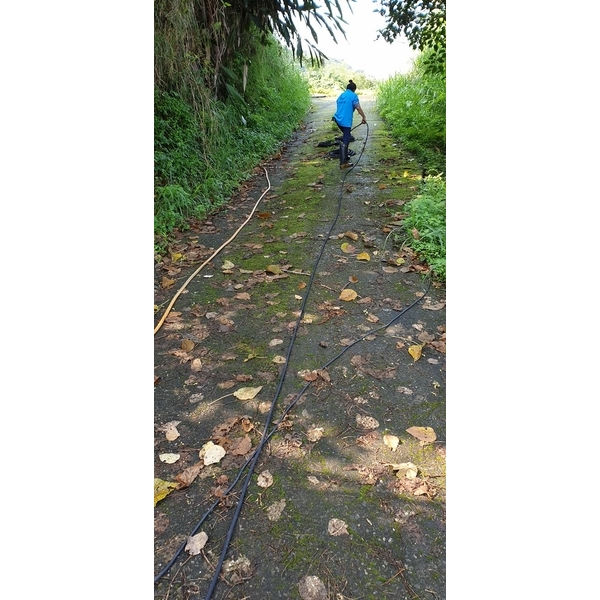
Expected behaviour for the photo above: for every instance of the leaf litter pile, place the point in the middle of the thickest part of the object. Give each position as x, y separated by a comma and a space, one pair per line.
347, 497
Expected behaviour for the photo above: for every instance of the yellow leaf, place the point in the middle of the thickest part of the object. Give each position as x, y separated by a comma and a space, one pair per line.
177, 256
415, 351
247, 393
274, 269
163, 488
227, 265
347, 248
400, 261
363, 256
351, 235
348, 295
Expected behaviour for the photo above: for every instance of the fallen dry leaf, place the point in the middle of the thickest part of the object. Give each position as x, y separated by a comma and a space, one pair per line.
407, 469
163, 488
347, 248
310, 587
308, 375
337, 527
351, 235
187, 345
247, 393
169, 457
196, 365
195, 543
170, 430
363, 256
265, 479
348, 295
274, 269
425, 434
187, 476
366, 422
391, 441
227, 265
242, 446
274, 511
437, 306
166, 283
415, 351
211, 453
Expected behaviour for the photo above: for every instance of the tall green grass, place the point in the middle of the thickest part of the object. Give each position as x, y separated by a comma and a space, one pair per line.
424, 228
202, 152
414, 108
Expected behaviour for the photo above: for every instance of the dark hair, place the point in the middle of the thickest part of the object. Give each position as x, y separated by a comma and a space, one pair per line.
351, 86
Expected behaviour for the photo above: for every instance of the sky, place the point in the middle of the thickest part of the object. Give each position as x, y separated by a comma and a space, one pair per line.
378, 59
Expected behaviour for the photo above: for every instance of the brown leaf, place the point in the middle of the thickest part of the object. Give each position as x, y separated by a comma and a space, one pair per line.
170, 430
425, 434
187, 345
241, 447
351, 235
347, 248
274, 511
196, 365
337, 527
437, 306
166, 283
187, 476
308, 375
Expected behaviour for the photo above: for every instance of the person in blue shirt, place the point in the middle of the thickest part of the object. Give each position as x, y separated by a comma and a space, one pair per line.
347, 103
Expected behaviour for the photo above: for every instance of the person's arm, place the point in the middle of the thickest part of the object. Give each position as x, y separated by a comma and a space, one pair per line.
362, 114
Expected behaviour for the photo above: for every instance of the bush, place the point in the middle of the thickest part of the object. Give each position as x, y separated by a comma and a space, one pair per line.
425, 226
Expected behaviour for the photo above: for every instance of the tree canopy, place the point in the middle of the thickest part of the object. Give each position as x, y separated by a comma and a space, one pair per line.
422, 22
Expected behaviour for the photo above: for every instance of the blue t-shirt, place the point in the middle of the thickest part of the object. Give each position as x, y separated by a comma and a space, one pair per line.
346, 104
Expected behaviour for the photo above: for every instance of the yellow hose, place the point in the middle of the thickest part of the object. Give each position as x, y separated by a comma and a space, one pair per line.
168, 310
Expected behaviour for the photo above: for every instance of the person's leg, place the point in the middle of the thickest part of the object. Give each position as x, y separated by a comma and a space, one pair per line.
344, 147
344, 144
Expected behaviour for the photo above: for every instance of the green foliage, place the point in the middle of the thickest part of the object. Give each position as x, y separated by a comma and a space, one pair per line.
422, 22
201, 156
414, 107
427, 214
331, 78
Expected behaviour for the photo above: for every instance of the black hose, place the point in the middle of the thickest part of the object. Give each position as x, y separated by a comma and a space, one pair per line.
266, 436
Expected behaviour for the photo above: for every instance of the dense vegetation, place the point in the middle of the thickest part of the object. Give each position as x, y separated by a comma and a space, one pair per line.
414, 108
202, 156
227, 94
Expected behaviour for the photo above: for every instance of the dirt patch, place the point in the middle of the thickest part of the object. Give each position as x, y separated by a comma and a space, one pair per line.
310, 337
